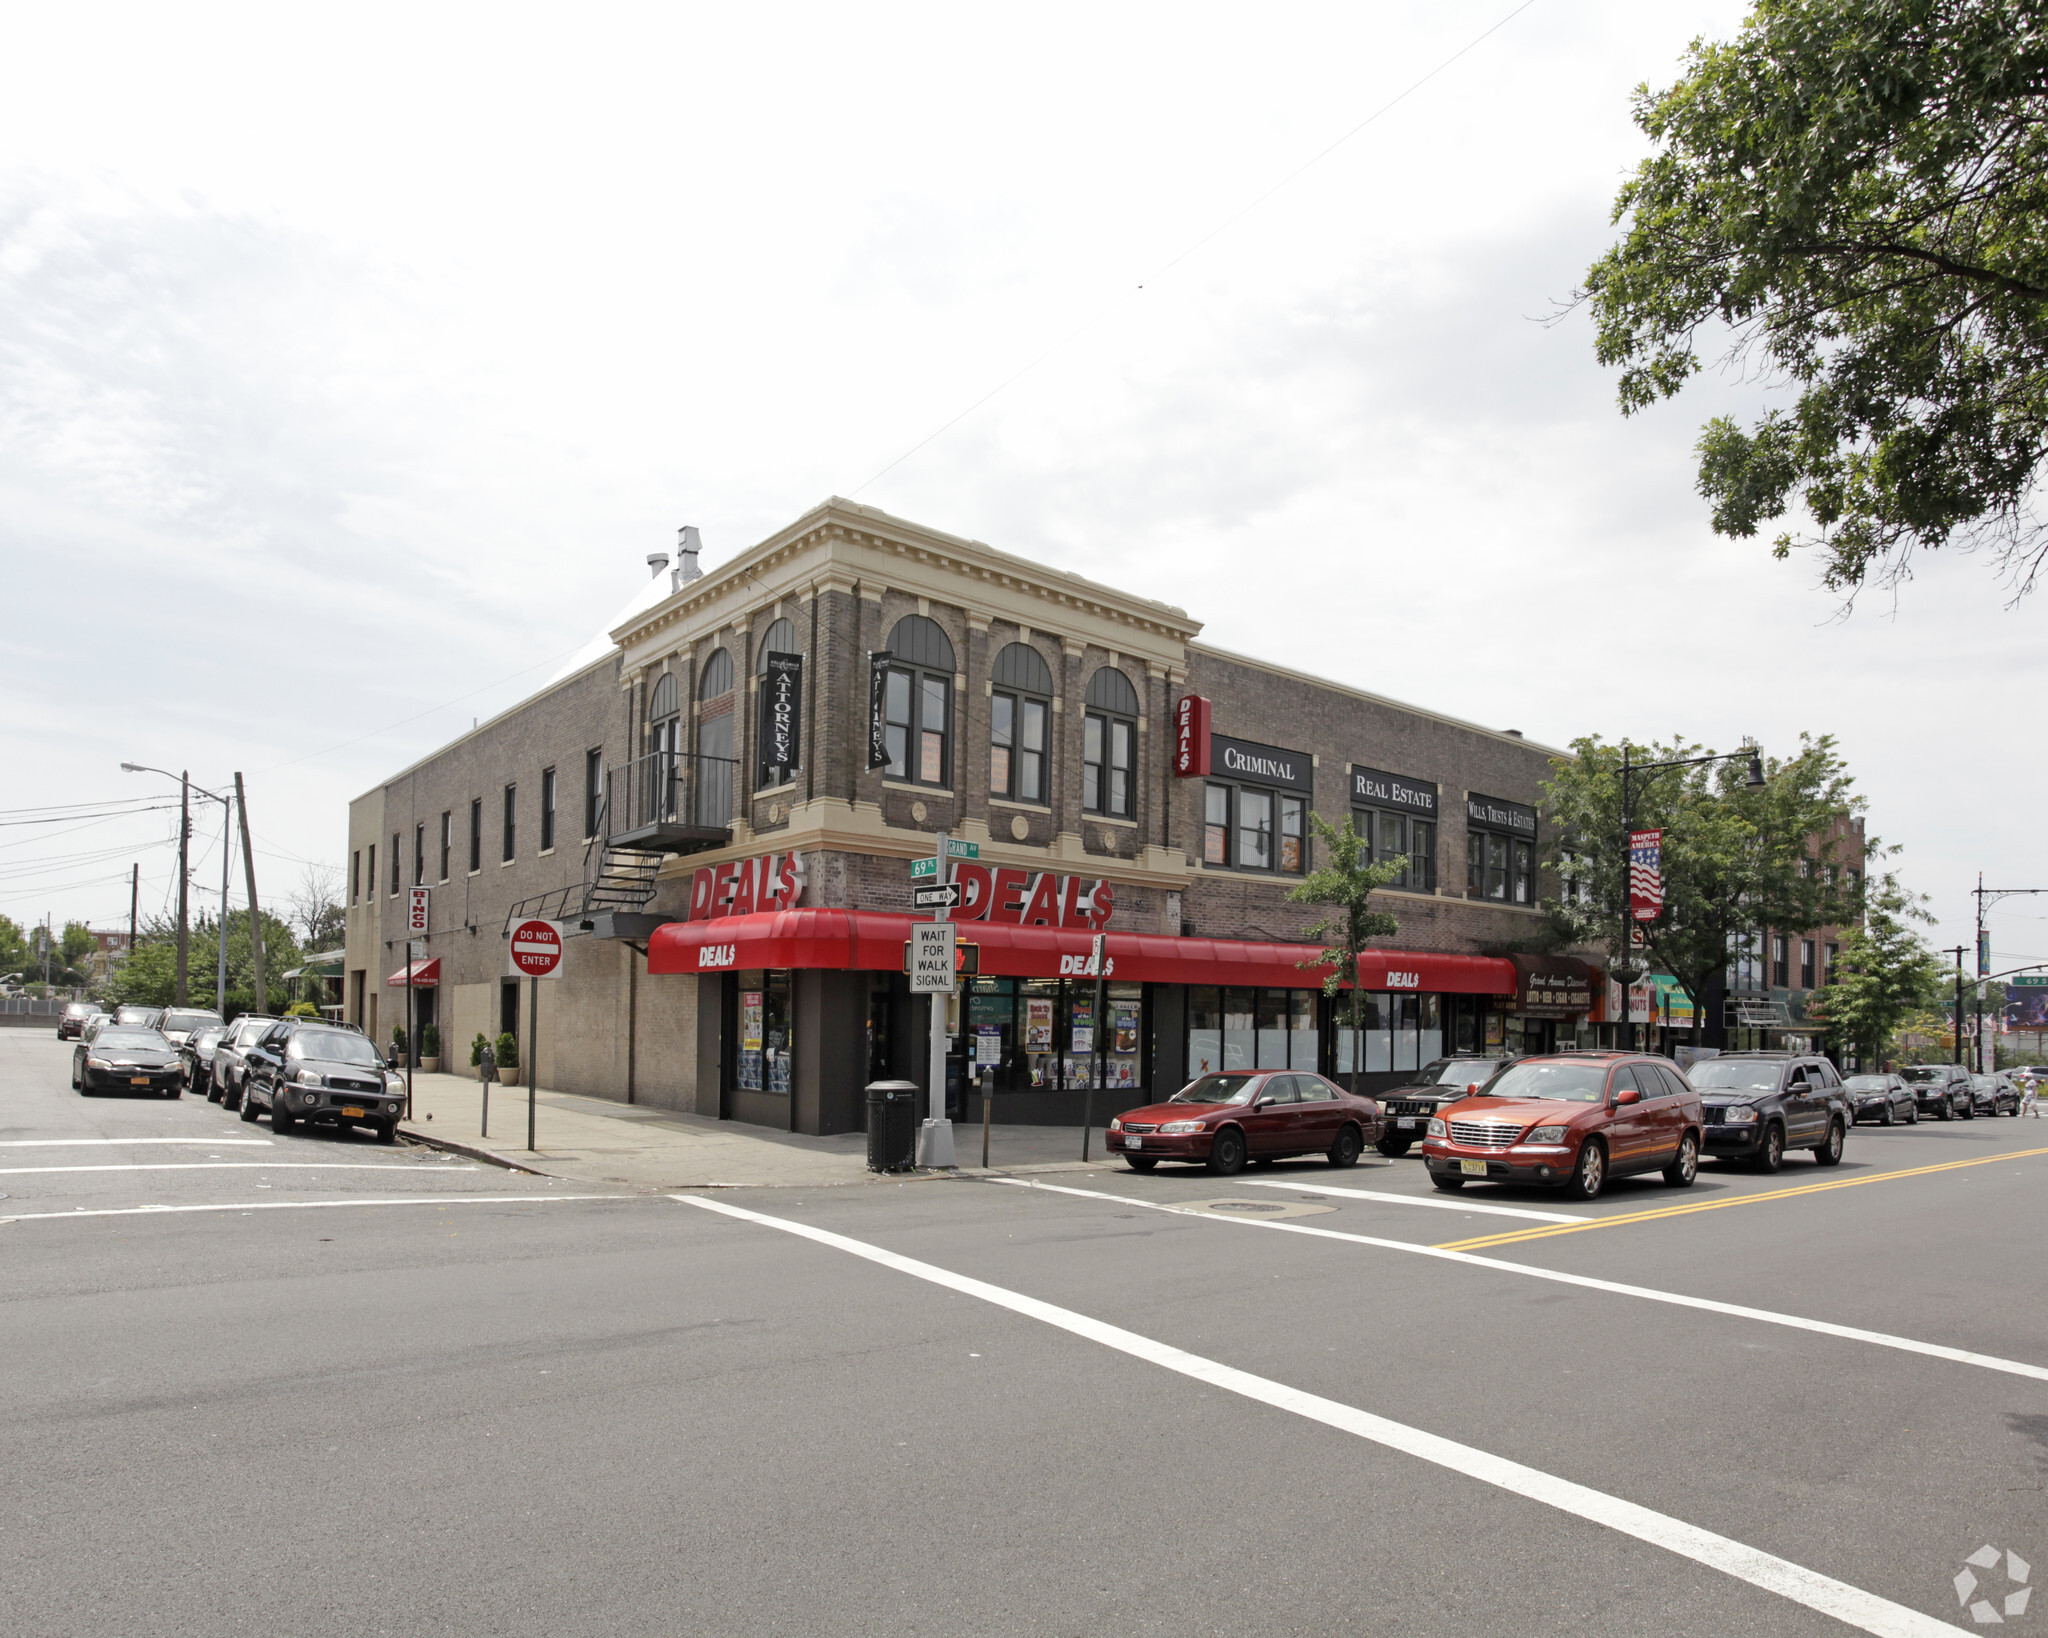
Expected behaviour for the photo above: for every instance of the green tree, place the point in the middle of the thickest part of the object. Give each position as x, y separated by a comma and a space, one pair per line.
149, 976
1346, 885
14, 949
1735, 860
1883, 976
1851, 196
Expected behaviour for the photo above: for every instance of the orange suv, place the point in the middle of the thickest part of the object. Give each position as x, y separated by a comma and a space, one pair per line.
1570, 1121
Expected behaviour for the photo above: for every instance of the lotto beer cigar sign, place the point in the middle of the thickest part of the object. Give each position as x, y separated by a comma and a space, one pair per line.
536, 949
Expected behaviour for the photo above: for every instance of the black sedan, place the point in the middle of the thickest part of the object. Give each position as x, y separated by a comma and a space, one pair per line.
1885, 1099
196, 1052
123, 1058
1995, 1095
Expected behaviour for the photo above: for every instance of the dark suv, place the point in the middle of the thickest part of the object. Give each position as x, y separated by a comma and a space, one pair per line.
1408, 1108
325, 1074
1941, 1089
1759, 1104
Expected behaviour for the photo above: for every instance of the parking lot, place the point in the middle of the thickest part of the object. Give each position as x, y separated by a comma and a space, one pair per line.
258, 1377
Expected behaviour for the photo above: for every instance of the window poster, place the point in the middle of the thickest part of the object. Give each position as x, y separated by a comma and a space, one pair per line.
1495, 1029
750, 1040
1124, 1020
1082, 1017
1084, 1040
1038, 1026
988, 1046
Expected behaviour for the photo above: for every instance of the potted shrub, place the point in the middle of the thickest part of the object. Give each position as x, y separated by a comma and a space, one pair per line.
476, 1050
398, 1050
430, 1049
508, 1058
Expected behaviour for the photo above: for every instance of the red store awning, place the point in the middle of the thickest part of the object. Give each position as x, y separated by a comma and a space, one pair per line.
873, 940
425, 974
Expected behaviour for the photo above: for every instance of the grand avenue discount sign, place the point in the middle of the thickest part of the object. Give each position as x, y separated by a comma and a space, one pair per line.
536, 949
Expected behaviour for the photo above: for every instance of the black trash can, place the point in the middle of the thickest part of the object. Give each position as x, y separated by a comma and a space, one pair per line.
892, 1125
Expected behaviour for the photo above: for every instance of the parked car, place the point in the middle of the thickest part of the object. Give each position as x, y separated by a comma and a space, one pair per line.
1407, 1108
1234, 1115
71, 1024
1885, 1099
1942, 1090
196, 1052
1570, 1121
180, 1022
93, 1025
228, 1071
1994, 1095
125, 1059
306, 1069
1759, 1104
140, 1017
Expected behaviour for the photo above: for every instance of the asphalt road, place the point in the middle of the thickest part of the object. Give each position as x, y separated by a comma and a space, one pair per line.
319, 1386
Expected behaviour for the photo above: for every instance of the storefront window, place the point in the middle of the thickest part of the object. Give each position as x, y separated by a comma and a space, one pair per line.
1043, 1034
1401, 1033
765, 1035
1251, 1029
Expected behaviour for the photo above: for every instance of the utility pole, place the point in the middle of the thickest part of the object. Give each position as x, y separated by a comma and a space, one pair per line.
1994, 894
255, 916
1956, 950
134, 904
227, 850
184, 861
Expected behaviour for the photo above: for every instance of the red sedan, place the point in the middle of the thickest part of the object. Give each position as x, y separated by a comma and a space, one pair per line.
1259, 1115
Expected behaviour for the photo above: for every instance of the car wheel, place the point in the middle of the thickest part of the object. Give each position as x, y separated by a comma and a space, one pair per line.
1830, 1151
1589, 1175
1970, 1110
1948, 1110
248, 1110
1226, 1154
387, 1131
1680, 1173
1449, 1182
1141, 1163
1887, 1116
1772, 1155
1913, 1115
280, 1120
174, 1091
1394, 1147
1345, 1151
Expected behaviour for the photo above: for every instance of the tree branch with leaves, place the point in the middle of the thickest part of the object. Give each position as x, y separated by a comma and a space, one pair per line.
1346, 885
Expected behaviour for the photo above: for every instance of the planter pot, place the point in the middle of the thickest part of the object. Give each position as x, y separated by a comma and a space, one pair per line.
509, 1077
431, 1066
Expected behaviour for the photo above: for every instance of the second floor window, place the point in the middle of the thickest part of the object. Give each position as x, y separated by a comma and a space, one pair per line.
355, 877
1781, 963
1246, 828
1806, 964
917, 703
593, 789
547, 809
1019, 719
1501, 868
476, 833
1109, 745
371, 875
447, 841
395, 867
511, 821
419, 853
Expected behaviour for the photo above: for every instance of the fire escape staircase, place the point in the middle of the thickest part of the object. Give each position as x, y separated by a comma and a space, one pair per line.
645, 799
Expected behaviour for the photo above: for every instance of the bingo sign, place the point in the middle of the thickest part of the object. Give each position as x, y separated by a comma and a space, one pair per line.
536, 949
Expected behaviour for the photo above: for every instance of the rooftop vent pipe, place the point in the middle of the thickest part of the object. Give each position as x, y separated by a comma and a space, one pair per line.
687, 546
656, 562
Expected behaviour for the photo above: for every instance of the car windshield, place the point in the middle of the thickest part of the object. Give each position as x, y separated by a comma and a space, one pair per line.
132, 1040
1733, 1075
1866, 1083
334, 1046
189, 1020
210, 1036
132, 1015
1984, 1083
1567, 1083
1224, 1088
78, 1009
1924, 1074
1457, 1072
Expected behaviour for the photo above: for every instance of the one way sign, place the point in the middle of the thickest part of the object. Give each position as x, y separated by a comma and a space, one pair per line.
936, 898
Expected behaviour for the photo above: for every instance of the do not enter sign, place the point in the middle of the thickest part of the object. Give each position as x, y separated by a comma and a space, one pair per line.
536, 949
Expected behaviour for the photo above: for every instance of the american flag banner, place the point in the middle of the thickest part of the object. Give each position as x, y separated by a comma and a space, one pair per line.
1645, 874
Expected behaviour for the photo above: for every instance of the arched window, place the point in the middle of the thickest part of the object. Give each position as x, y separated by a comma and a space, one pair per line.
781, 716
714, 741
779, 638
1109, 745
664, 748
917, 702
1019, 724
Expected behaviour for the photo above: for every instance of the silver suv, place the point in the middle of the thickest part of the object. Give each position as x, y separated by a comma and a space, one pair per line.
230, 1067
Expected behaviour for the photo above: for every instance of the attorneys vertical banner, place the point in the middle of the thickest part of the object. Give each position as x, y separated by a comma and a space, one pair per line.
782, 705
878, 721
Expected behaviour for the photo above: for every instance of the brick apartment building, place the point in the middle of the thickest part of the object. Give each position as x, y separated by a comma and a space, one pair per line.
721, 803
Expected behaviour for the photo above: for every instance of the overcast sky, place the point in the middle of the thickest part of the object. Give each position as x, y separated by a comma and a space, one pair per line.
352, 362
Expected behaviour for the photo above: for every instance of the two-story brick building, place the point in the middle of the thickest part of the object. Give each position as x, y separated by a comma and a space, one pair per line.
722, 810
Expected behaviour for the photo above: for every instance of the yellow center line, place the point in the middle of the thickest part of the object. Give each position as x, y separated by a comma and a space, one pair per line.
1544, 1232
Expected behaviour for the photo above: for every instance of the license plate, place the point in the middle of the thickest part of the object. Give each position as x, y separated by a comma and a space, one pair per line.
1409, 1122
1472, 1168
353, 1113
1133, 1142
138, 1080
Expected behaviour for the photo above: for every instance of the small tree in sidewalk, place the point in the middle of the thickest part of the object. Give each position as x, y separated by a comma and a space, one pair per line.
1882, 976
1346, 885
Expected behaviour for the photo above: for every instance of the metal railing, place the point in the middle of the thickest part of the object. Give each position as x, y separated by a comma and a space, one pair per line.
670, 788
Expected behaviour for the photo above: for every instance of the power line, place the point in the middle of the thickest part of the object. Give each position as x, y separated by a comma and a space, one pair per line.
1220, 228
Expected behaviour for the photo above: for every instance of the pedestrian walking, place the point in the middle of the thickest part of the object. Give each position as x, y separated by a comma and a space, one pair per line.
2030, 1097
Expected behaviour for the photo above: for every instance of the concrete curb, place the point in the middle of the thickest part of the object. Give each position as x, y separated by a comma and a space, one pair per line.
473, 1152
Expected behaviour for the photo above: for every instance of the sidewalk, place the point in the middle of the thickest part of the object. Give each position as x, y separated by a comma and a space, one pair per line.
593, 1140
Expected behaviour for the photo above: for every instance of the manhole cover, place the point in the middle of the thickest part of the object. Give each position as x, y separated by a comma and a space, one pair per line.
1247, 1205
1259, 1210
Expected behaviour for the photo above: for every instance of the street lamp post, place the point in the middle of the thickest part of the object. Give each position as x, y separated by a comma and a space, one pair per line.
185, 789
1957, 950
1627, 971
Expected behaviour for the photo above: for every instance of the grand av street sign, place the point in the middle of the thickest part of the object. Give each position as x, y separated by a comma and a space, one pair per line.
921, 868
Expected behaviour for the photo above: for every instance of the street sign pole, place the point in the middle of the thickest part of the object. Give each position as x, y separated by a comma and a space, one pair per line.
532, 1051
935, 1139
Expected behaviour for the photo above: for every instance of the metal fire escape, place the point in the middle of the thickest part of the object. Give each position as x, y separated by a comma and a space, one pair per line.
651, 809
